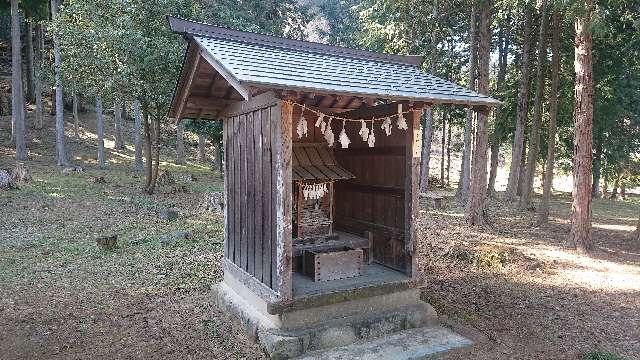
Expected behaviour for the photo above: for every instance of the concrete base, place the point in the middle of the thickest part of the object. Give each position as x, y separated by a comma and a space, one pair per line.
304, 331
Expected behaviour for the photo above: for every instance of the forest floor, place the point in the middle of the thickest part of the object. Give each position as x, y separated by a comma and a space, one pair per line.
514, 288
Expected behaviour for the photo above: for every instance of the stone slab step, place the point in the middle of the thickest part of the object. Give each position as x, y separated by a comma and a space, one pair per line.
411, 344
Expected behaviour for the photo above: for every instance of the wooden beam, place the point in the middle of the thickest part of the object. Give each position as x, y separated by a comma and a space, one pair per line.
282, 164
413, 154
187, 88
231, 79
202, 101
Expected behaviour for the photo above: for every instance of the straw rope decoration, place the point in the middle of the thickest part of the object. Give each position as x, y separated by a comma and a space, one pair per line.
315, 191
323, 122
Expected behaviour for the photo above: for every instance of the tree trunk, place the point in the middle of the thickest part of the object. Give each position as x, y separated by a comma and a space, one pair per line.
60, 148
614, 190
156, 156
137, 137
147, 152
30, 61
443, 141
427, 135
636, 233
521, 112
580, 235
76, 120
493, 169
202, 144
117, 121
534, 136
39, 122
475, 210
597, 168
623, 190
218, 156
462, 192
543, 209
180, 143
100, 130
448, 150
17, 97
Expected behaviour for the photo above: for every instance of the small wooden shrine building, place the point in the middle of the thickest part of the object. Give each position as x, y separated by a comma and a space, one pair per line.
322, 149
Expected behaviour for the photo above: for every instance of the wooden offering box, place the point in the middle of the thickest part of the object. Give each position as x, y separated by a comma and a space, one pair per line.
334, 264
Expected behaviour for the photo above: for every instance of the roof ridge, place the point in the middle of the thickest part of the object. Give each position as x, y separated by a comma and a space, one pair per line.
190, 27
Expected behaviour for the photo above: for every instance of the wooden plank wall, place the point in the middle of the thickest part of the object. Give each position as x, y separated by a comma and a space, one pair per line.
251, 141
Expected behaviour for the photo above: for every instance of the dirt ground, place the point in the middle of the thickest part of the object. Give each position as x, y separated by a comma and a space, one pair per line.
512, 287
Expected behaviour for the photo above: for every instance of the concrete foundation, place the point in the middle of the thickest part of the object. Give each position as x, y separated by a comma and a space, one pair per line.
334, 324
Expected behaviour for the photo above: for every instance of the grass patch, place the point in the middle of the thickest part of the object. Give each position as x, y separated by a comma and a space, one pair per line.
601, 355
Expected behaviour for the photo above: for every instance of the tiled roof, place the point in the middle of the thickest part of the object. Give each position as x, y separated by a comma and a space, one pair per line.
272, 62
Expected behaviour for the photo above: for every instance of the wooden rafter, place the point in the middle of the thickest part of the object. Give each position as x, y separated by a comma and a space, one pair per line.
187, 88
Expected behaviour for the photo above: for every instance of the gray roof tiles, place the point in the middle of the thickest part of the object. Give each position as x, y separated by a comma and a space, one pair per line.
258, 60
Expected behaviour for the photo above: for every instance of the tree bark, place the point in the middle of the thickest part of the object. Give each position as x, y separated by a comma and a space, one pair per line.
580, 235
475, 210
465, 166
217, 161
100, 130
493, 168
427, 135
597, 168
523, 162
76, 120
39, 121
180, 143
60, 147
202, 144
543, 209
156, 156
448, 149
534, 136
30, 61
147, 152
443, 141
521, 112
137, 137
117, 121
17, 97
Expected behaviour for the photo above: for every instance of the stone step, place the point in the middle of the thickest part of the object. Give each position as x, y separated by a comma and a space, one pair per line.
413, 344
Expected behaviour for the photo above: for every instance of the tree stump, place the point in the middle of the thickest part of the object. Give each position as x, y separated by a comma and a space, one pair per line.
107, 242
20, 174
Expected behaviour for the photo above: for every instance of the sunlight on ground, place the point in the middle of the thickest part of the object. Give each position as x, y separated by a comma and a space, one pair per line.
585, 271
616, 227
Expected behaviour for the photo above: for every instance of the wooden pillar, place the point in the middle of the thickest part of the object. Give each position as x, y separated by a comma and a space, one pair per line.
412, 187
282, 167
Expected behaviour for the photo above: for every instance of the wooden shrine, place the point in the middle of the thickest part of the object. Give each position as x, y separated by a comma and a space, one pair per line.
322, 149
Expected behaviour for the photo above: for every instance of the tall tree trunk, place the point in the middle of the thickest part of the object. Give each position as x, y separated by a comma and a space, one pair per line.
534, 136
443, 141
521, 113
498, 132
137, 137
448, 149
614, 190
180, 143
60, 148
156, 156
17, 97
475, 210
76, 120
39, 122
100, 130
623, 190
493, 168
523, 162
218, 156
462, 192
202, 144
427, 135
597, 168
580, 235
147, 151
117, 121
543, 209
30, 61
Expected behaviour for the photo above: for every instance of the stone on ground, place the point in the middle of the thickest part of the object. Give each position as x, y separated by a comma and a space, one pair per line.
417, 343
168, 214
171, 238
